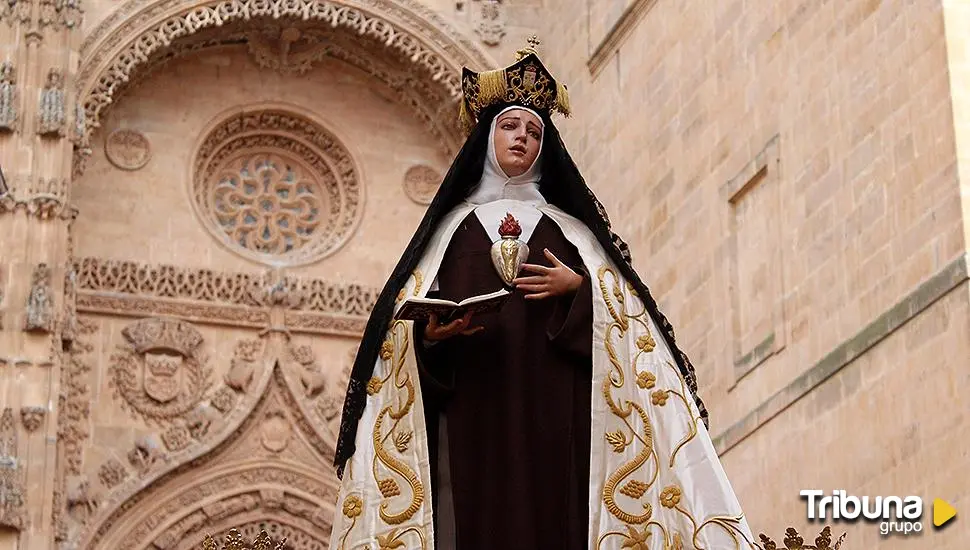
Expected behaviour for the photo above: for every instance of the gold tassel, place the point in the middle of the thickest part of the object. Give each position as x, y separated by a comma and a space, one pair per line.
562, 99
491, 86
465, 118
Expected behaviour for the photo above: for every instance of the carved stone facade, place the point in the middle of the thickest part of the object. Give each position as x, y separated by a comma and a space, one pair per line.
183, 283
178, 364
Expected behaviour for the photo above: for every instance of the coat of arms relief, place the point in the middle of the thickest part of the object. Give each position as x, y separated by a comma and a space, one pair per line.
160, 372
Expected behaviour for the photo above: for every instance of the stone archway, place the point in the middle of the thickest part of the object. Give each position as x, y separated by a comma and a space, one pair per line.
264, 459
142, 29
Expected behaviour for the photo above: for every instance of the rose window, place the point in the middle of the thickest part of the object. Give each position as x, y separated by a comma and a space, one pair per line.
276, 188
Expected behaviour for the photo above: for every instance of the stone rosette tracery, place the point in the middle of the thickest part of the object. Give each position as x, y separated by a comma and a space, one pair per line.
276, 187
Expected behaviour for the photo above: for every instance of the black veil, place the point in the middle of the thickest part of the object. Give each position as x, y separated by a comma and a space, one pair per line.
562, 185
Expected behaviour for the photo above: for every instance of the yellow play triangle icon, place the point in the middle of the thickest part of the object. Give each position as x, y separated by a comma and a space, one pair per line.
942, 512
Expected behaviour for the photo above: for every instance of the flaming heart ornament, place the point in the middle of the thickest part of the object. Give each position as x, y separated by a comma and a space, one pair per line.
509, 253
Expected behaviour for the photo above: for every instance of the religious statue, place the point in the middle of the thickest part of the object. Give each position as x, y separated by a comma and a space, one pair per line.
40, 302
567, 418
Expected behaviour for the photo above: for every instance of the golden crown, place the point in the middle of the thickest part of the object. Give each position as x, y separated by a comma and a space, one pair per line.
235, 541
526, 82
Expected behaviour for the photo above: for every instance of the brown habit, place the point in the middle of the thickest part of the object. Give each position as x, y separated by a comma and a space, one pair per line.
516, 402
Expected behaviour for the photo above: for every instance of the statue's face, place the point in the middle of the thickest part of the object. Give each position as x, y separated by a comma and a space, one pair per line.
517, 137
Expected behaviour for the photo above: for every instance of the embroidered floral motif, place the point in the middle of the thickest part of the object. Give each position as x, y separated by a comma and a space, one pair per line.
646, 380
646, 342
659, 397
353, 506
670, 496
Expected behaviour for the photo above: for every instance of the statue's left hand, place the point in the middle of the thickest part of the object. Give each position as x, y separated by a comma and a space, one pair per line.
557, 280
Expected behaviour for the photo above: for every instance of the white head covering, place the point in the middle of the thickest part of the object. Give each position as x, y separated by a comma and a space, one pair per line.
496, 184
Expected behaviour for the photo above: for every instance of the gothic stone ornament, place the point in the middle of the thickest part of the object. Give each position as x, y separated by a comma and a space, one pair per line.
52, 116
421, 183
509, 253
276, 187
40, 302
32, 417
161, 372
127, 149
12, 506
8, 97
490, 26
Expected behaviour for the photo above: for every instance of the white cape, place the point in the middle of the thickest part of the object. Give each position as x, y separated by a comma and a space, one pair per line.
655, 478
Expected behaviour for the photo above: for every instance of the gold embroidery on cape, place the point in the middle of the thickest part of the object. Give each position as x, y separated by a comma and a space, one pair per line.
619, 439
353, 507
395, 539
670, 497
394, 351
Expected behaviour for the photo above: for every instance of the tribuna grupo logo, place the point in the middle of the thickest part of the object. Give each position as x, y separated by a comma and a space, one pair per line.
900, 515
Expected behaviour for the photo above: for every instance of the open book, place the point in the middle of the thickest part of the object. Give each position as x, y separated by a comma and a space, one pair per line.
420, 309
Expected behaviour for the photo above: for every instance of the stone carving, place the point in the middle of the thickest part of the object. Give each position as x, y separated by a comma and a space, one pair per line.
8, 97
105, 69
274, 289
127, 149
288, 50
276, 188
146, 453
59, 14
199, 420
224, 400
231, 506
276, 432
311, 376
185, 526
80, 126
42, 204
12, 505
112, 473
490, 23
421, 183
15, 11
69, 326
242, 368
74, 410
32, 417
82, 500
177, 438
161, 372
51, 113
40, 301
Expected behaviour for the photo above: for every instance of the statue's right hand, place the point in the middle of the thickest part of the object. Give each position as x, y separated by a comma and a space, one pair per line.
435, 332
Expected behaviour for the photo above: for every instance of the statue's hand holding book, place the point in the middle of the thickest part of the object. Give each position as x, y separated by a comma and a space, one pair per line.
421, 309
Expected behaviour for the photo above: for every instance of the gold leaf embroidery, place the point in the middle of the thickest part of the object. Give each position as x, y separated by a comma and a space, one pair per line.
618, 440
637, 540
659, 397
401, 440
353, 506
374, 385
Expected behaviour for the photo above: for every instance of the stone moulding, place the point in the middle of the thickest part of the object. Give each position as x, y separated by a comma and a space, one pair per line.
141, 28
127, 288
